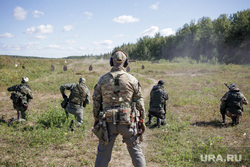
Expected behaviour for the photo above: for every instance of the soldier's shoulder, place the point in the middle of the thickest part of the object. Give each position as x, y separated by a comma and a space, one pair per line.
130, 77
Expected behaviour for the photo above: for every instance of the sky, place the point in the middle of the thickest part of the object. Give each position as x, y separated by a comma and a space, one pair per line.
61, 28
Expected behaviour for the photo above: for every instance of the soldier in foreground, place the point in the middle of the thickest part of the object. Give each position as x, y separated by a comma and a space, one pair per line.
79, 97
232, 104
118, 108
158, 98
21, 95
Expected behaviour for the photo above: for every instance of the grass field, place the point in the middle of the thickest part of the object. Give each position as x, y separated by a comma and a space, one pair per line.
193, 131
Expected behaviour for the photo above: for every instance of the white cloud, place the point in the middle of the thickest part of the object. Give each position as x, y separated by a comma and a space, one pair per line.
41, 37
42, 29
56, 46
89, 15
68, 27
167, 32
6, 35
19, 13
82, 48
37, 13
150, 31
155, 6
10, 47
104, 42
119, 36
70, 41
30, 44
125, 19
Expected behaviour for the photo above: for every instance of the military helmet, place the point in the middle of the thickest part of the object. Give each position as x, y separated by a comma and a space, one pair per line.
161, 82
233, 87
82, 80
118, 58
25, 80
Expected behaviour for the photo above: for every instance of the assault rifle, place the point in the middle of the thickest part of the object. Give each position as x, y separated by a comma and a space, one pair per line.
227, 86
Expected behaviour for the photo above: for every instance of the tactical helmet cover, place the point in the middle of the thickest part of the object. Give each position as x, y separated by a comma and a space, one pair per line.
25, 80
118, 57
82, 80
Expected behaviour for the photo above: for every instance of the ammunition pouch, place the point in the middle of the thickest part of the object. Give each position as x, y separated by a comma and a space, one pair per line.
157, 112
121, 115
98, 130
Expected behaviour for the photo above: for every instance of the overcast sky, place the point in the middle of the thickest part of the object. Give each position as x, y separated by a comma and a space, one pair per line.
60, 28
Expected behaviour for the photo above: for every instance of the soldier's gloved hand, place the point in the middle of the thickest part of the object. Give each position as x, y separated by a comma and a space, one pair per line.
96, 122
64, 96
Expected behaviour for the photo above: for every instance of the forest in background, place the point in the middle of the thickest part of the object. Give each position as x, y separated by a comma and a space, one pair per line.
223, 40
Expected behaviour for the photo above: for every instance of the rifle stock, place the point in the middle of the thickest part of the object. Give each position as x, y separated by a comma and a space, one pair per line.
226, 85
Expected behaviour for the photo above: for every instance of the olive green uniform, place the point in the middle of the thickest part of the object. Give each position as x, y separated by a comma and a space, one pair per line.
78, 99
232, 104
23, 95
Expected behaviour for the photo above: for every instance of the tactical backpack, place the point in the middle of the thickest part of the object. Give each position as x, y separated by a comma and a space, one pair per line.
78, 95
234, 101
156, 104
19, 97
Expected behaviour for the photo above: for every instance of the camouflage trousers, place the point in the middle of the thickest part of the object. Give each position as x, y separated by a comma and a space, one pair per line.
234, 114
129, 137
21, 111
77, 111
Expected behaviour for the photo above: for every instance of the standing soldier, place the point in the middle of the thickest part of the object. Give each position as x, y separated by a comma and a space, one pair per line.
118, 108
21, 96
232, 104
79, 97
158, 98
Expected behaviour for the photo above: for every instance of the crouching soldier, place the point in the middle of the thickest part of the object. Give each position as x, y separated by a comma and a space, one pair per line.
158, 98
232, 104
21, 95
79, 97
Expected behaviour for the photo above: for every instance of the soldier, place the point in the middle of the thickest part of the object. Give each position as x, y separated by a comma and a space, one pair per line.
118, 107
232, 104
158, 98
79, 97
21, 96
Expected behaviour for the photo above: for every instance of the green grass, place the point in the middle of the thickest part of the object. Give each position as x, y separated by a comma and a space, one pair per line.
193, 120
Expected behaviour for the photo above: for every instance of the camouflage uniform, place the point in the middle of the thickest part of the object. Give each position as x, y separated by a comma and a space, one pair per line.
232, 104
79, 97
21, 96
158, 98
107, 96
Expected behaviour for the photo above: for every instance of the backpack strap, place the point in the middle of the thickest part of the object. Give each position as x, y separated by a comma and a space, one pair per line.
116, 76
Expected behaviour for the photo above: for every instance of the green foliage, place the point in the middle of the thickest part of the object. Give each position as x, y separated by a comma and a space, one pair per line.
225, 40
52, 117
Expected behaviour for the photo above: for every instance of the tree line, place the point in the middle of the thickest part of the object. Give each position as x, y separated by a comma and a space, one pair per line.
224, 40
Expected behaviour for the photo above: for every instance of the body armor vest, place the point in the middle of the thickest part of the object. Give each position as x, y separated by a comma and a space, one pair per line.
234, 100
78, 95
156, 99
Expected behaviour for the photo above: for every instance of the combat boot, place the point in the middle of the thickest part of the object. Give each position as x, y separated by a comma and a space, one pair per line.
163, 122
159, 122
72, 125
149, 120
223, 118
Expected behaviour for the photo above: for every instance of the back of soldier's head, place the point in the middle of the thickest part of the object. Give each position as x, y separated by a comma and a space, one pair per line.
233, 86
82, 80
119, 58
25, 80
161, 82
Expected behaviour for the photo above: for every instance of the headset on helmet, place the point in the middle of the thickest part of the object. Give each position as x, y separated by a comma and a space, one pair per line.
25, 80
111, 59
